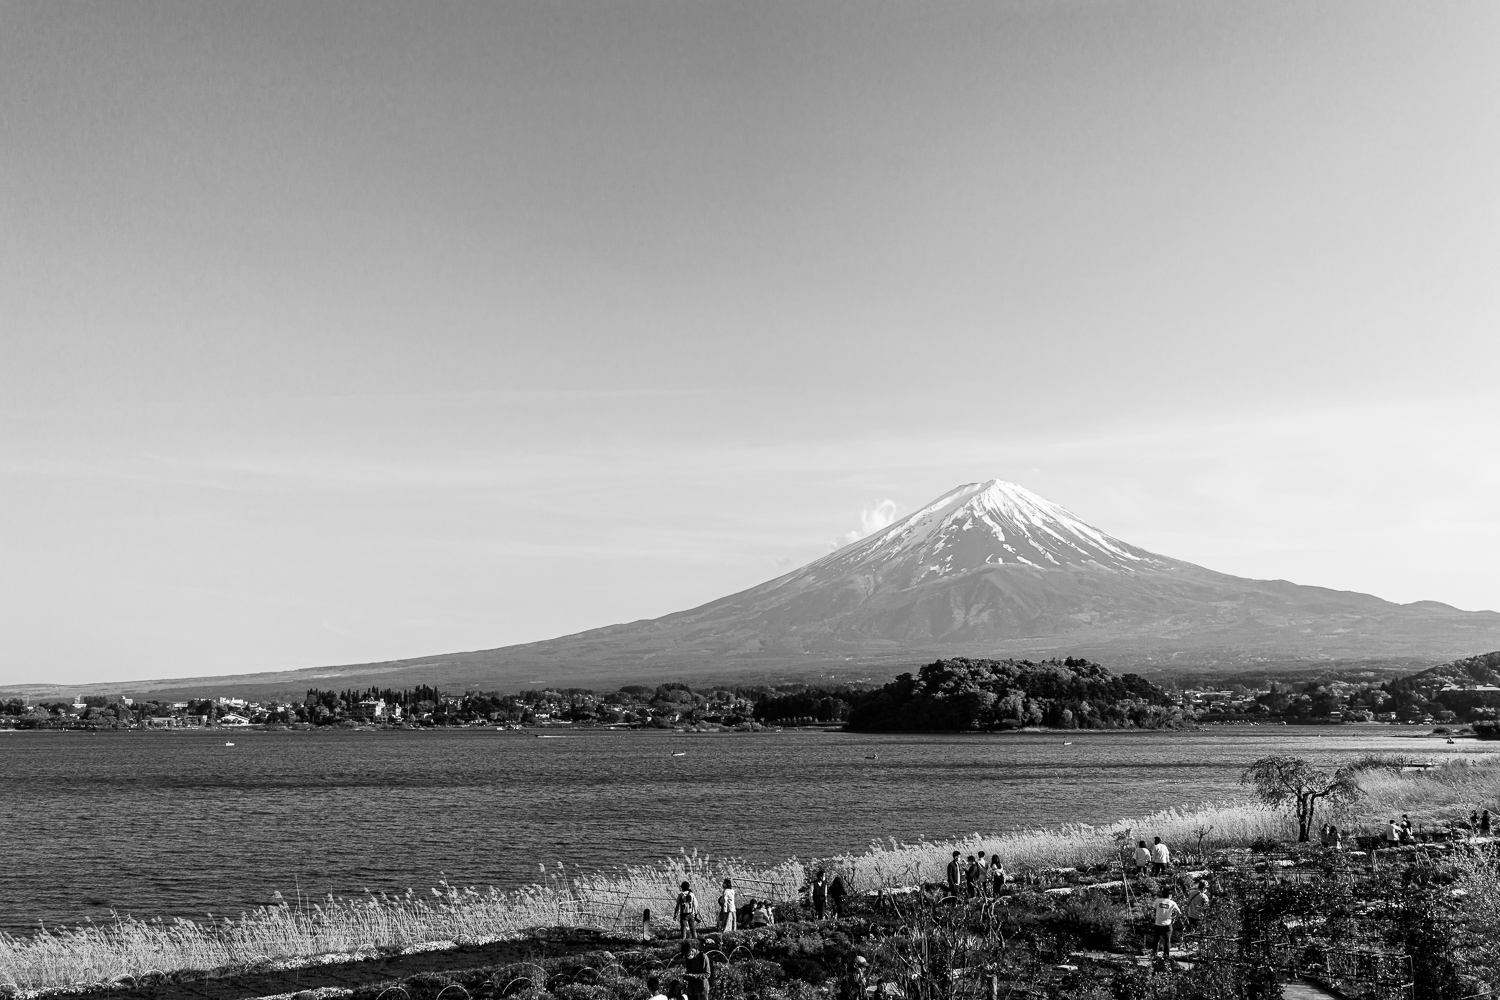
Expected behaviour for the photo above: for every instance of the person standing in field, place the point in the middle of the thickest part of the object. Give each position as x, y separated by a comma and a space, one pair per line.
1484, 823
984, 875
1163, 915
1160, 857
700, 970
836, 893
687, 911
953, 876
727, 916
971, 878
1142, 856
820, 896
653, 987
1392, 834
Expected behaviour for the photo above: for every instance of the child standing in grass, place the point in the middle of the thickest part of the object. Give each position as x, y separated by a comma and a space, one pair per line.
687, 912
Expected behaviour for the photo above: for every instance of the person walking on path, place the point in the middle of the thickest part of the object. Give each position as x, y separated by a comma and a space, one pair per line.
837, 892
1197, 905
727, 915
700, 970
686, 911
1160, 858
1165, 912
819, 896
1142, 856
953, 876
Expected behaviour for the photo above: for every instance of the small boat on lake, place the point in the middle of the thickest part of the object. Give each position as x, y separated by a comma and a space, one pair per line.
679, 753
229, 744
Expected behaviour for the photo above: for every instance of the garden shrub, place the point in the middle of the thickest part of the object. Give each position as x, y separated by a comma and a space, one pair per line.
1088, 919
584, 991
1265, 845
750, 977
805, 969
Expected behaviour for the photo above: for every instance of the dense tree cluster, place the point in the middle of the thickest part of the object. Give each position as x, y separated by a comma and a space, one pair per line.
961, 694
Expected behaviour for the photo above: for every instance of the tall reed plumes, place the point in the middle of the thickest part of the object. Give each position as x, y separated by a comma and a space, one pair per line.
334, 928
1228, 824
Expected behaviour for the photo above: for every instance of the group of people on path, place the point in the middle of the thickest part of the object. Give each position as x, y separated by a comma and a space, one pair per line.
977, 878
828, 895
1166, 914
686, 911
1157, 857
697, 976
1396, 834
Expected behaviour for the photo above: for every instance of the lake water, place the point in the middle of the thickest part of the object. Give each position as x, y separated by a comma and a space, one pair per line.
179, 824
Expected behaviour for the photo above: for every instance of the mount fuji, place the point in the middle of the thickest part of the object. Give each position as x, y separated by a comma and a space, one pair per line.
992, 569
987, 569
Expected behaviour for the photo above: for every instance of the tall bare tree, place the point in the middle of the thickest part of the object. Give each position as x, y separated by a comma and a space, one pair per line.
1282, 780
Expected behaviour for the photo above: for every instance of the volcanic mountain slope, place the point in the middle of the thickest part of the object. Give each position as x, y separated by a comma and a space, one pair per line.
992, 568
989, 569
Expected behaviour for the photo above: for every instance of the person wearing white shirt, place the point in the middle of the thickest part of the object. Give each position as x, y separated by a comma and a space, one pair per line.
1160, 857
1142, 855
1164, 913
653, 986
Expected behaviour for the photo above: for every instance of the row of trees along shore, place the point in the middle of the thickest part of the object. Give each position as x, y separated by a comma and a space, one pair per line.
955, 694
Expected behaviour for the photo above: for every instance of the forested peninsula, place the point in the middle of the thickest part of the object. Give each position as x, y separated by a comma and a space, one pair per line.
962, 694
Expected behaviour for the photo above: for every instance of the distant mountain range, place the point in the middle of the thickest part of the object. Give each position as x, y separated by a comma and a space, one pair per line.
988, 569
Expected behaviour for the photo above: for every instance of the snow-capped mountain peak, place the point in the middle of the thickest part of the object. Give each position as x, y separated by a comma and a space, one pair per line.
989, 524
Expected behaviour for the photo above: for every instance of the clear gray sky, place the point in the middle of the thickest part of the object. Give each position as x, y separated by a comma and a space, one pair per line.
348, 331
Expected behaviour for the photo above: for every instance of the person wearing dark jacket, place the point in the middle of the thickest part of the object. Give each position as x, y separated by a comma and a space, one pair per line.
699, 968
819, 896
837, 891
953, 876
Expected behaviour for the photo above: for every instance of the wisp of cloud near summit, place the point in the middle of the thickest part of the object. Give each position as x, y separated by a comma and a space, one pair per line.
880, 514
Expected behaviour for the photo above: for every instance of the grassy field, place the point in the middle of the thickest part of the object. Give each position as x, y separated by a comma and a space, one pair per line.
333, 929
